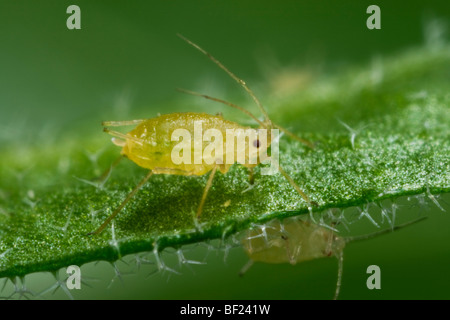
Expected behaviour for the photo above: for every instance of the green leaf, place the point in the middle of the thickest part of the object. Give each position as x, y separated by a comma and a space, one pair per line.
381, 132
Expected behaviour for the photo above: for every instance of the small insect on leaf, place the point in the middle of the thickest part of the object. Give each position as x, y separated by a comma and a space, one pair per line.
294, 240
291, 241
177, 144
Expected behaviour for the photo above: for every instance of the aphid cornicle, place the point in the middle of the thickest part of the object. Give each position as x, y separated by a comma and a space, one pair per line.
150, 145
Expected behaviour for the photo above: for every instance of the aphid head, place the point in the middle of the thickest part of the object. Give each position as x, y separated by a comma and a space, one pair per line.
128, 142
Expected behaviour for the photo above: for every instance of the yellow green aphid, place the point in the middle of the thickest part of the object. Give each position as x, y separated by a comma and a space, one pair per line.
151, 144
294, 241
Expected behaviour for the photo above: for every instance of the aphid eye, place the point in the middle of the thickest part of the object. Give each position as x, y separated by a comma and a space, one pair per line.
256, 143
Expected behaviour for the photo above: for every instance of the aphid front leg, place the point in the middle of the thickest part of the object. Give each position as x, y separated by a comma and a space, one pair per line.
340, 258
246, 267
205, 192
122, 205
104, 176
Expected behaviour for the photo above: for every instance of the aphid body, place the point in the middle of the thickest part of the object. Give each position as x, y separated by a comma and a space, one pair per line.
292, 241
151, 143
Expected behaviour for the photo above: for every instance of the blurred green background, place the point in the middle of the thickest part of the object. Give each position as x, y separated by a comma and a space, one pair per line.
126, 62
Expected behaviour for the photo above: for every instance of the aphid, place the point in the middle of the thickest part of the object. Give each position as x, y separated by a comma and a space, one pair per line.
150, 144
294, 241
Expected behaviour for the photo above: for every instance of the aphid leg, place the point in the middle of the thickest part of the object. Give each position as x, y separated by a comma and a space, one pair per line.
289, 253
205, 192
104, 176
376, 234
116, 212
292, 135
296, 187
246, 267
267, 122
251, 176
225, 103
232, 75
340, 258
329, 250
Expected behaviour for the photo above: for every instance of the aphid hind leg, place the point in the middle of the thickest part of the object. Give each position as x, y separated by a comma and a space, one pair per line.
290, 254
340, 258
205, 192
122, 205
246, 267
232, 105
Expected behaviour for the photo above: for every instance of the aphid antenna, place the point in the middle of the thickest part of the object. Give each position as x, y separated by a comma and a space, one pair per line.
262, 124
267, 123
232, 75
378, 233
121, 123
123, 136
